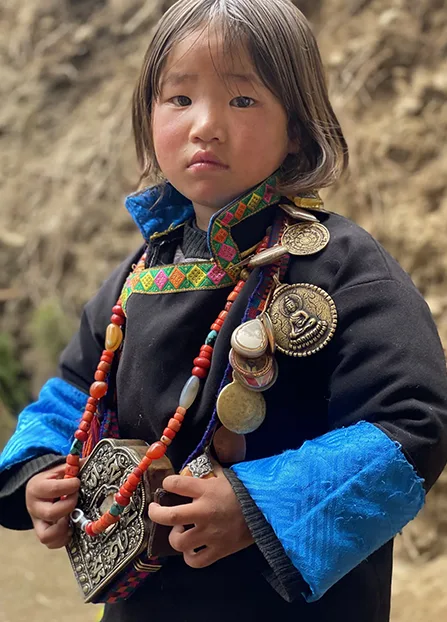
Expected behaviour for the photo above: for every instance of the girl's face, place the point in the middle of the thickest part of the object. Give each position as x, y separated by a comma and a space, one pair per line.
217, 130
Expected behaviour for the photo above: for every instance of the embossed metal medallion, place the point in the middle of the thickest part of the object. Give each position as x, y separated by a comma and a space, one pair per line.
240, 410
96, 561
304, 319
306, 238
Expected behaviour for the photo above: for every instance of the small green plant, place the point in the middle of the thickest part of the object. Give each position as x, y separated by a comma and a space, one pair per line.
50, 329
13, 387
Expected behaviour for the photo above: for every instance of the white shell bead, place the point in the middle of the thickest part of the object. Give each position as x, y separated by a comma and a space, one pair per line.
189, 392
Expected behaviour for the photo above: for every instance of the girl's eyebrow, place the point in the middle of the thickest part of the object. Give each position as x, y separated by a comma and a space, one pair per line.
176, 79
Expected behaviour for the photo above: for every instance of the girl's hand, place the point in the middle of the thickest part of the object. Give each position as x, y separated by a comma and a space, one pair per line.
48, 512
219, 525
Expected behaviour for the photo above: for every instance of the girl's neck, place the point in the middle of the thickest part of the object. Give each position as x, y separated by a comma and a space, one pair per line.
203, 215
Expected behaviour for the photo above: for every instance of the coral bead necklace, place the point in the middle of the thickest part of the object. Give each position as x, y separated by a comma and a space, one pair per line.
99, 388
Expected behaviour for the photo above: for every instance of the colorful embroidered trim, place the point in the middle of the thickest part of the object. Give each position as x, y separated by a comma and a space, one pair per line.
176, 278
222, 245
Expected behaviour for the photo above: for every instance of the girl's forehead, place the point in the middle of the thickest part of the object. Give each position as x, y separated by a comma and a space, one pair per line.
207, 50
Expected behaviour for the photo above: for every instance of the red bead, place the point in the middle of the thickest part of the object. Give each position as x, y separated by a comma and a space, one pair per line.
125, 492
133, 480
88, 416
138, 473
145, 463
73, 459
100, 376
228, 306
219, 321
179, 417
93, 402
174, 425
97, 527
121, 500
107, 355
117, 319
90, 408
169, 433
156, 450
180, 410
104, 366
109, 519
131, 488
118, 310
199, 372
216, 327
71, 470
240, 284
232, 297
80, 435
85, 426
201, 361
98, 390
205, 355
88, 530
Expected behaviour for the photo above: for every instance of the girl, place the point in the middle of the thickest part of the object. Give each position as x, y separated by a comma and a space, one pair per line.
344, 426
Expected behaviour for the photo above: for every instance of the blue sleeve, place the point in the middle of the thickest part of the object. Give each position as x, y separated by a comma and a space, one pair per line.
47, 425
335, 500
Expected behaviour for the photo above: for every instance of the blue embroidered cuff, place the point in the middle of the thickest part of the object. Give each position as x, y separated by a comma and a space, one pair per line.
46, 426
335, 500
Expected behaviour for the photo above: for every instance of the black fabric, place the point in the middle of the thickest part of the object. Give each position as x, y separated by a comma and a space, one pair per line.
194, 243
281, 574
384, 365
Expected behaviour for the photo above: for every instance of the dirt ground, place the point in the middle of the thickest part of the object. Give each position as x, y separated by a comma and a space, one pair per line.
37, 586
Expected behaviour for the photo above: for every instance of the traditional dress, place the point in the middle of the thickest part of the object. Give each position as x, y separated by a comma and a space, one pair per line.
353, 438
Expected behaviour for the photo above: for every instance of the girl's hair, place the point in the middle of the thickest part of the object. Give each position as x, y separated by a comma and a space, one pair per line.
285, 55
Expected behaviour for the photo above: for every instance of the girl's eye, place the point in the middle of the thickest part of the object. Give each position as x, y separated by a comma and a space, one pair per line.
181, 100
242, 102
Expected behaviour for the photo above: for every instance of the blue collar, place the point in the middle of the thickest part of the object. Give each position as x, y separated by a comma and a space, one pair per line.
157, 210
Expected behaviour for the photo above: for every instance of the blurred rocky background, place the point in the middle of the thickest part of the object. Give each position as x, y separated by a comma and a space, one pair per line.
67, 70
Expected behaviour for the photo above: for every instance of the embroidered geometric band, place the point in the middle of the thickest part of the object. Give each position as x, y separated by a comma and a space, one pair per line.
176, 278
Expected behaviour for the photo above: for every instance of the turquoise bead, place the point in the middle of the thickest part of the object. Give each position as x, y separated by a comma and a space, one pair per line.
76, 448
116, 509
209, 341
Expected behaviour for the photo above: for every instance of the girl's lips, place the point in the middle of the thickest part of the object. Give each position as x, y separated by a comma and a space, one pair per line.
207, 166
204, 160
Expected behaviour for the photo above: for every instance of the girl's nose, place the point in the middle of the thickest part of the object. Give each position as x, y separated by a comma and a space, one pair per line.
208, 126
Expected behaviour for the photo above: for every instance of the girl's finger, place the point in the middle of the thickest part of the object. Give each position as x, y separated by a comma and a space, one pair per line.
52, 512
175, 515
185, 486
186, 540
53, 536
52, 488
201, 558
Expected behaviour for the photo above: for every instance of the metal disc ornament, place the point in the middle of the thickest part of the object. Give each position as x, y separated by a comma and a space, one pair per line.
250, 367
267, 322
240, 410
304, 319
259, 384
306, 238
296, 213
